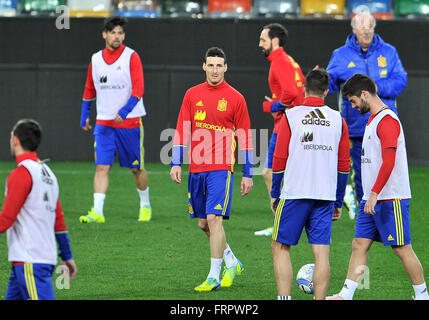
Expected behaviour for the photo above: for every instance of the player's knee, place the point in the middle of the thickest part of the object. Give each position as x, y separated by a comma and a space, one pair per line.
277, 247
360, 244
137, 171
203, 225
321, 253
402, 251
214, 222
102, 169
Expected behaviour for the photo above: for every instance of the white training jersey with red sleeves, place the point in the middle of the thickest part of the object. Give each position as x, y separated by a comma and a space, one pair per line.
398, 185
312, 165
32, 237
114, 86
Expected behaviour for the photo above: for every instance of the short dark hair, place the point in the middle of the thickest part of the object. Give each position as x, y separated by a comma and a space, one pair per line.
114, 21
276, 30
29, 134
316, 81
215, 52
357, 83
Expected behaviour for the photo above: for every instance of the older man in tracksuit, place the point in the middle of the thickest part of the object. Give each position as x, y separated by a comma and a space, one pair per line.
364, 52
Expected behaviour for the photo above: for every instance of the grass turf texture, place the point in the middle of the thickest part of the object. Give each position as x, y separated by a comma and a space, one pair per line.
166, 258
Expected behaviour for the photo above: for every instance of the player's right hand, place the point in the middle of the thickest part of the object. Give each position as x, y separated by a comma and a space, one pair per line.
87, 126
176, 174
274, 204
71, 267
277, 106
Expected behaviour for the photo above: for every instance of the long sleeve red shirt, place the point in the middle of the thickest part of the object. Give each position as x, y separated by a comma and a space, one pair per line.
281, 152
286, 82
388, 131
214, 118
136, 70
19, 184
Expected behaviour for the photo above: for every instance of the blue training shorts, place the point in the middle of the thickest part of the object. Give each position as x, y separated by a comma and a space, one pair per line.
293, 215
210, 193
390, 224
270, 152
30, 281
126, 143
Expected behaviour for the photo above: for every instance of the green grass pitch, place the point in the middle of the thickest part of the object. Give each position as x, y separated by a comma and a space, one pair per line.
166, 258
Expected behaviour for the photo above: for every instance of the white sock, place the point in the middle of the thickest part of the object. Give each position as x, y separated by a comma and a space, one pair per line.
348, 289
215, 267
284, 298
421, 291
144, 197
99, 203
229, 258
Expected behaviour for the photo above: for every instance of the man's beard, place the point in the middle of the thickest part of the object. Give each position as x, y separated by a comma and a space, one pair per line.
267, 52
115, 45
364, 107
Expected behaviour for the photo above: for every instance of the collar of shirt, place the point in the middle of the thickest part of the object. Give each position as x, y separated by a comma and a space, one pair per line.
376, 42
276, 53
217, 87
372, 116
314, 102
27, 155
111, 56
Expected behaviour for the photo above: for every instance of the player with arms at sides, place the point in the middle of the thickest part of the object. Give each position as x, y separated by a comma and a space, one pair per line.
115, 80
212, 117
384, 210
312, 155
286, 82
34, 220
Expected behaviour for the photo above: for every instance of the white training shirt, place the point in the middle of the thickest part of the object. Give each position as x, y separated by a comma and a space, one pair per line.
113, 85
312, 165
398, 185
31, 238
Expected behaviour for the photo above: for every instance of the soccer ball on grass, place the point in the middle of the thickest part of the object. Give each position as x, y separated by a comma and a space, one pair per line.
304, 278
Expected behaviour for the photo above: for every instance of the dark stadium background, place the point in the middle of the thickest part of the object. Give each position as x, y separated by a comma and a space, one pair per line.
43, 71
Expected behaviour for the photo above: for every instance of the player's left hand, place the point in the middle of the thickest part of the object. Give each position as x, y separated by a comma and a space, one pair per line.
370, 204
246, 185
118, 119
337, 214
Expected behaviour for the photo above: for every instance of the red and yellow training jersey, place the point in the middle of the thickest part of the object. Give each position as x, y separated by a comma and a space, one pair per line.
286, 82
214, 119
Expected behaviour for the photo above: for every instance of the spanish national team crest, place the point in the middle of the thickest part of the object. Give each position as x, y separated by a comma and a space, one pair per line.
221, 104
382, 61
